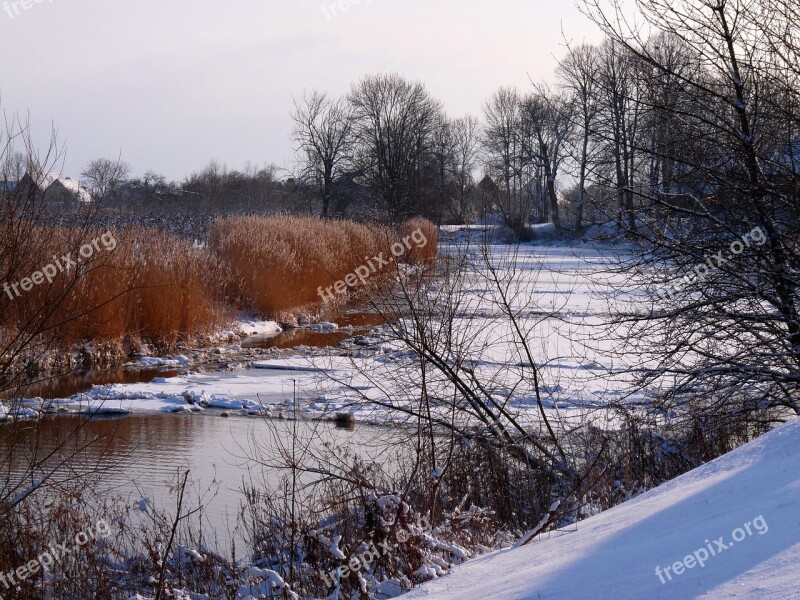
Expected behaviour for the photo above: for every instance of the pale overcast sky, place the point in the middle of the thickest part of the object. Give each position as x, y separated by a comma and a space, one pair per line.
173, 84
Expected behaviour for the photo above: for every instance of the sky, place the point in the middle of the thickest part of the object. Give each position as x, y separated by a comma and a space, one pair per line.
170, 85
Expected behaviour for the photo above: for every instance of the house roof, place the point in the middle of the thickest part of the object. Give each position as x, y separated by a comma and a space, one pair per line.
487, 184
45, 180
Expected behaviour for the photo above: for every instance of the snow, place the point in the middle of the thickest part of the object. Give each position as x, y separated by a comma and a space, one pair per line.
334, 548
154, 362
21, 412
543, 230
558, 299
555, 296
457, 228
45, 180
249, 391
271, 583
615, 554
246, 326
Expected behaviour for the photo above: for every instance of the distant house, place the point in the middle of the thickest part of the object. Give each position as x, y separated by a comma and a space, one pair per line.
488, 187
53, 188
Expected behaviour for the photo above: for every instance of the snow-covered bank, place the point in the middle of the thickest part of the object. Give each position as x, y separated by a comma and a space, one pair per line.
750, 497
248, 326
564, 300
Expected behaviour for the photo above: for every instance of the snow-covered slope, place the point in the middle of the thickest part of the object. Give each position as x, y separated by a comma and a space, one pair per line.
702, 516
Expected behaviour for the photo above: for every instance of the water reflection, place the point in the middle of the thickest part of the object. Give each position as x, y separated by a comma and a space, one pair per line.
139, 456
350, 324
65, 386
297, 337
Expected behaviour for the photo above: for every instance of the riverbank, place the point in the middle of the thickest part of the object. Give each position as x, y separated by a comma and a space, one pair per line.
142, 292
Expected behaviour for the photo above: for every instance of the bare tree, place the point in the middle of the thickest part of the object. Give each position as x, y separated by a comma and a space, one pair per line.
394, 125
505, 155
104, 176
323, 132
466, 147
578, 72
547, 121
441, 158
618, 126
14, 167
722, 258
30, 328
450, 389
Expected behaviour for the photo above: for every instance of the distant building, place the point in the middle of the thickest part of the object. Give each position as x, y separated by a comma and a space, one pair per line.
53, 188
489, 188
489, 195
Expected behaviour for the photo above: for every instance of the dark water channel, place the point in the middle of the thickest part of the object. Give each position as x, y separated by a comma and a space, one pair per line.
350, 324
68, 385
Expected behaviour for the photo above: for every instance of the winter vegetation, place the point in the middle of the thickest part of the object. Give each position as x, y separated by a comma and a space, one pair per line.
139, 285
310, 255
581, 363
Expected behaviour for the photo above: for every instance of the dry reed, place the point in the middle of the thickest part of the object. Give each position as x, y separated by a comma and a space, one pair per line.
150, 286
158, 288
421, 254
280, 263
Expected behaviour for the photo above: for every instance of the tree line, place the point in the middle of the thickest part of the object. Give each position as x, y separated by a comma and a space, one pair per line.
639, 127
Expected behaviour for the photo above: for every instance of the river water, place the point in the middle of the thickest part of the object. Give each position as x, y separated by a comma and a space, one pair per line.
352, 323
136, 458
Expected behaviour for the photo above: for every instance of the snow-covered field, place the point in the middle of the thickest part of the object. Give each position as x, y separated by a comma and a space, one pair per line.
733, 524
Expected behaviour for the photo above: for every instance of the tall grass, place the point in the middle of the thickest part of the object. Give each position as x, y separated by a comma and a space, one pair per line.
419, 253
278, 264
153, 286
158, 288
150, 286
